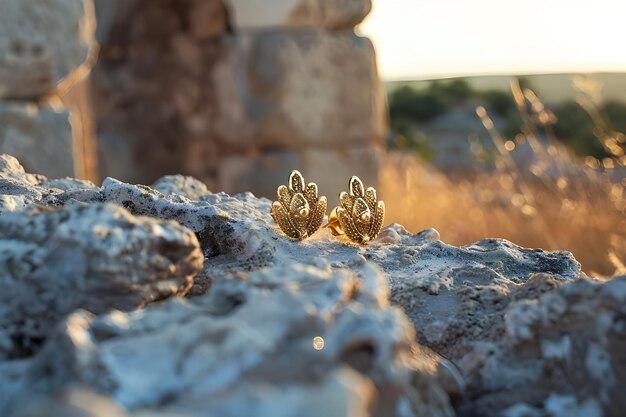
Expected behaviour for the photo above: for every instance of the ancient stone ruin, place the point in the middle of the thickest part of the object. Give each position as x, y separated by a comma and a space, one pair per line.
126, 300
218, 89
45, 47
237, 93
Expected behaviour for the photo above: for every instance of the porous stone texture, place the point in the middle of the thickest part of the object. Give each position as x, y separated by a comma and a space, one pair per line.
556, 349
293, 14
177, 184
290, 340
41, 43
320, 327
296, 338
40, 137
73, 402
290, 90
17, 188
95, 257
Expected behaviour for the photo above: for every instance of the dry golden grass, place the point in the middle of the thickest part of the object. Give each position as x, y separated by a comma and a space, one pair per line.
557, 203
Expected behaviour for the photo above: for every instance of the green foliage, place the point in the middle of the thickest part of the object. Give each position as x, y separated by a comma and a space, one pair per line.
424, 105
576, 129
501, 103
452, 92
402, 125
616, 113
411, 104
513, 124
409, 107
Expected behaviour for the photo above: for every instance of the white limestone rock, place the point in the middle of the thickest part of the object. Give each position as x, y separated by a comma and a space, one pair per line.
74, 402
182, 185
17, 188
292, 340
528, 335
237, 233
68, 184
232, 229
295, 14
559, 346
434, 281
41, 43
96, 257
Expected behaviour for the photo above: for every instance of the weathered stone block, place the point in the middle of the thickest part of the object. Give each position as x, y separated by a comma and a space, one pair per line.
330, 169
203, 18
96, 257
41, 42
154, 104
40, 138
328, 14
288, 341
275, 323
293, 89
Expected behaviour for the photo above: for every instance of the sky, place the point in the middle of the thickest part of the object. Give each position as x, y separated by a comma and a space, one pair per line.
419, 39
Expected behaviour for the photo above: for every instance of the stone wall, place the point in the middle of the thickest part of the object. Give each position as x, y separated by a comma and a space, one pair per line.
43, 49
238, 93
153, 97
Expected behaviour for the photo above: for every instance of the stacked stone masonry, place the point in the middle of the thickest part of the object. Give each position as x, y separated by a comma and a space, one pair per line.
41, 44
318, 14
278, 80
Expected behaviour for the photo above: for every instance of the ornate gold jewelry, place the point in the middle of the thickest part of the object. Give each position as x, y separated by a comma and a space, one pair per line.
298, 211
360, 215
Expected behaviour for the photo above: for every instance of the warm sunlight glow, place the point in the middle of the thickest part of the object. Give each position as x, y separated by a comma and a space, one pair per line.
420, 39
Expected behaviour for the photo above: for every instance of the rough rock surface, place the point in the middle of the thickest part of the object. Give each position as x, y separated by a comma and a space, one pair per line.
37, 136
271, 342
294, 14
41, 43
17, 188
528, 335
73, 402
177, 184
559, 352
95, 257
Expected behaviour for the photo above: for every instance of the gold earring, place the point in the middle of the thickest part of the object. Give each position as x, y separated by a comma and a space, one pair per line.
298, 211
359, 215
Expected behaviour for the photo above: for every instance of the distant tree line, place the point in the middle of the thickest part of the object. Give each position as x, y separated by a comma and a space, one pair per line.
411, 107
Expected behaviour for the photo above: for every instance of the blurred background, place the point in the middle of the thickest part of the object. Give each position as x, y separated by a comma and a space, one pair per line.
480, 119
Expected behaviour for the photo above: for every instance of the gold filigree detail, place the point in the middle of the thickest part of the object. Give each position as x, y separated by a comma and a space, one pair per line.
359, 215
299, 212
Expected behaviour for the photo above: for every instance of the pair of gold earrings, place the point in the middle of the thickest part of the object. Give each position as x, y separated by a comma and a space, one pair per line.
300, 212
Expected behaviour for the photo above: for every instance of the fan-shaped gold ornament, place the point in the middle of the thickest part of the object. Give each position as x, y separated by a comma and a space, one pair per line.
359, 215
299, 211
